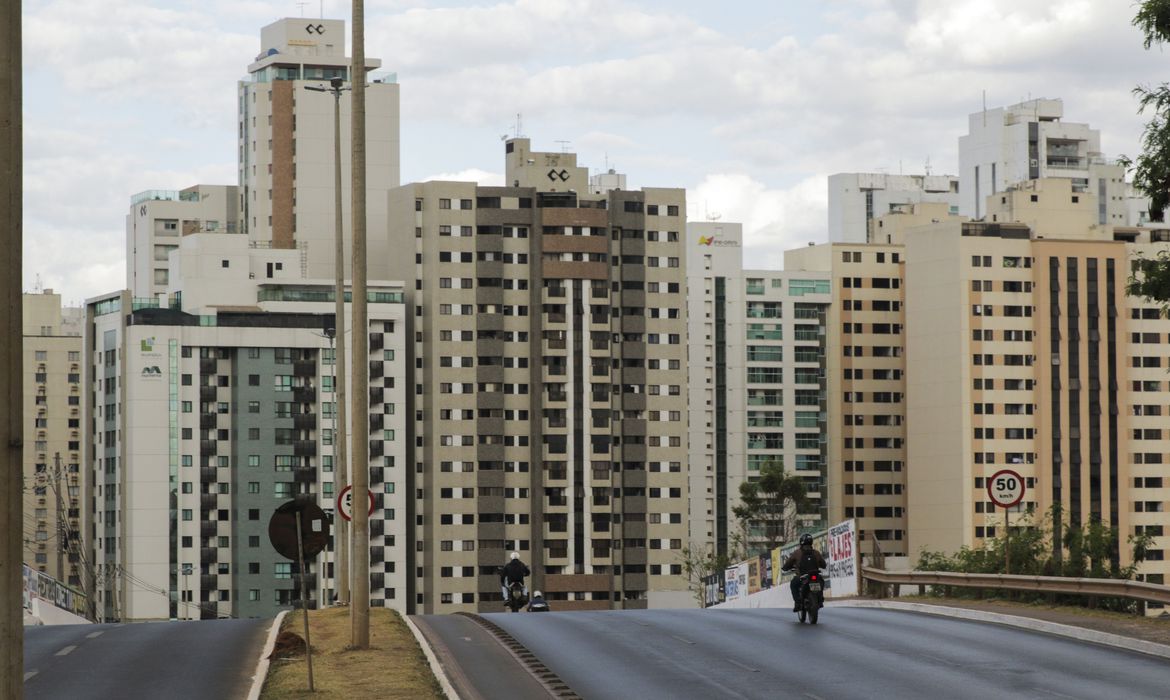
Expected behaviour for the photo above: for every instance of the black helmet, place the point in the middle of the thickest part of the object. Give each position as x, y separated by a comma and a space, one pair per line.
805, 539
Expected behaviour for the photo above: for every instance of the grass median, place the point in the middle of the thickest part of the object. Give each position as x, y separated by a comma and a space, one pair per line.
393, 666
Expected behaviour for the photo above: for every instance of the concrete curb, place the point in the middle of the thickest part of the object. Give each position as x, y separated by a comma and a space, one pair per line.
262, 665
1055, 628
436, 667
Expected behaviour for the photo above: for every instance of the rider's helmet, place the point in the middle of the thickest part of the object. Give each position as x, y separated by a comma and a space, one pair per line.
806, 539
514, 556
537, 594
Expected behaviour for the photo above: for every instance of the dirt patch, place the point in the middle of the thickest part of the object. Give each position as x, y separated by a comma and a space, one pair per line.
393, 666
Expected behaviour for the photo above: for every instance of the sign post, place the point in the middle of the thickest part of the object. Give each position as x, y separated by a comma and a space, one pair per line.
298, 529
1006, 489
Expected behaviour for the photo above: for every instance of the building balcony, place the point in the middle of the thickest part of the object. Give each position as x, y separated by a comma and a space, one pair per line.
305, 448
376, 448
207, 365
377, 528
305, 394
305, 475
207, 528
375, 475
376, 369
305, 368
376, 342
377, 420
208, 501
207, 393
207, 475
377, 395
207, 556
207, 421
305, 421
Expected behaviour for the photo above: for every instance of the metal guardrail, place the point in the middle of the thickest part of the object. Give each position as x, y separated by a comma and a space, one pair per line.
1114, 588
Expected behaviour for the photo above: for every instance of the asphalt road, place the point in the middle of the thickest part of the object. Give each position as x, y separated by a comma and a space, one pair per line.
214, 659
478, 665
852, 653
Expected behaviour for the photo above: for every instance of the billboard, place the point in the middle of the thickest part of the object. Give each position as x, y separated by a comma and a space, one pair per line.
842, 558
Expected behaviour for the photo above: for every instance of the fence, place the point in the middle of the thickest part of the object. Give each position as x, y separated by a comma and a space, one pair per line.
1096, 587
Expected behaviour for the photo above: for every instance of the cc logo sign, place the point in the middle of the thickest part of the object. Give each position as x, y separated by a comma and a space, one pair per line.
553, 175
314, 29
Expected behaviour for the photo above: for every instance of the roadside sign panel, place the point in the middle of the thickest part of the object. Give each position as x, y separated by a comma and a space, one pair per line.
345, 502
1006, 488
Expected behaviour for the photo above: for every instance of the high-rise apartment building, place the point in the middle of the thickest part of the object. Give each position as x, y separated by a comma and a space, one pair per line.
1006, 146
156, 221
52, 438
549, 413
857, 199
286, 145
756, 357
961, 348
209, 411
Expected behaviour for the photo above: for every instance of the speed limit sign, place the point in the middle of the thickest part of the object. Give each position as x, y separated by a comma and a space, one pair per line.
1006, 488
345, 502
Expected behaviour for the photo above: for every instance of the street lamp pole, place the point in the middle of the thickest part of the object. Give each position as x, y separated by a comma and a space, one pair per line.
341, 475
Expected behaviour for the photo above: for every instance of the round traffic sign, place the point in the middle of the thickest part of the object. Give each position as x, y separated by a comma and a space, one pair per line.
282, 529
1006, 488
345, 502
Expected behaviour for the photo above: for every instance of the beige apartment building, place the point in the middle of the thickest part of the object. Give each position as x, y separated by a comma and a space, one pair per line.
960, 348
286, 145
549, 402
52, 437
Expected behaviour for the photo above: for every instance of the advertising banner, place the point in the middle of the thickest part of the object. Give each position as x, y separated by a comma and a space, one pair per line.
765, 571
712, 590
731, 583
842, 558
753, 576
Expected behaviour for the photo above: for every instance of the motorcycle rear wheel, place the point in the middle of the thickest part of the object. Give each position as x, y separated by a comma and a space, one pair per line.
813, 613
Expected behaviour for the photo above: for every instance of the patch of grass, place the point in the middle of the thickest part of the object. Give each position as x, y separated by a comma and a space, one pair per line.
393, 666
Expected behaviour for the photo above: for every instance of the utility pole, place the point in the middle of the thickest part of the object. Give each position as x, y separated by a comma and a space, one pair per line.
342, 574
360, 606
11, 356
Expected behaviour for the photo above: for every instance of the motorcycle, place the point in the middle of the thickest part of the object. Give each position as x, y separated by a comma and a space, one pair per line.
516, 598
812, 597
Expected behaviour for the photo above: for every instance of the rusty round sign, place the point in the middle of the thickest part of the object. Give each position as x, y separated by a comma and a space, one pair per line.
282, 529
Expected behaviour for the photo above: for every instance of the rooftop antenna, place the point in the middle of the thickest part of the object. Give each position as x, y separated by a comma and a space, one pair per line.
322, 9
564, 145
301, 6
519, 123
710, 215
928, 166
39, 284
985, 107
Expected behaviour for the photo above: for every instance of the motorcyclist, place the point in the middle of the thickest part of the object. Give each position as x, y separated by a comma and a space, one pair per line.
538, 603
806, 560
513, 572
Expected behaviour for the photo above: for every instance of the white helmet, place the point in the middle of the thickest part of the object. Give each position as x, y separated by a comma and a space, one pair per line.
537, 594
514, 556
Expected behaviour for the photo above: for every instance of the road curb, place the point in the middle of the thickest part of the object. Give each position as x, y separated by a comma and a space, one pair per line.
262, 665
436, 667
1055, 628
543, 674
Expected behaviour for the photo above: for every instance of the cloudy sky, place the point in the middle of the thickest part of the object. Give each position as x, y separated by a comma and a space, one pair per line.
749, 104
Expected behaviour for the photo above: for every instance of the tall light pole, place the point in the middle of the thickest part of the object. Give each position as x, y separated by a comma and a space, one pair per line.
11, 356
360, 607
341, 475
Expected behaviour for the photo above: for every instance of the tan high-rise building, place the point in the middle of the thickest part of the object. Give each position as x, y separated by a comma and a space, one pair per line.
52, 438
286, 145
959, 348
549, 402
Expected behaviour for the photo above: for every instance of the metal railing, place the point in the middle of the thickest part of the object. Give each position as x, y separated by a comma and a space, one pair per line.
1099, 587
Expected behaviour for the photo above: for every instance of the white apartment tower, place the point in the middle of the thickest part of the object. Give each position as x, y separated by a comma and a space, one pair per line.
1029, 141
209, 411
857, 199
286, 145
156, 221
756, 393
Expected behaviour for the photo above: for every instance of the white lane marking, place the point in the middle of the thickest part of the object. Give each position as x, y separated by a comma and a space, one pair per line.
681, 639
743, 666
66, 650
467, 639
1053, 692
91, 635
814, 697
29, 675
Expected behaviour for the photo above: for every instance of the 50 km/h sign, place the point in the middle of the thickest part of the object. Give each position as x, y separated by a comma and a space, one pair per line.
345, 502
1006, 488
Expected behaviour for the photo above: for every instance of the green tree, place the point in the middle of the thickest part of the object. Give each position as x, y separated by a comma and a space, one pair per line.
700, 562
769, 506
1151, 169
